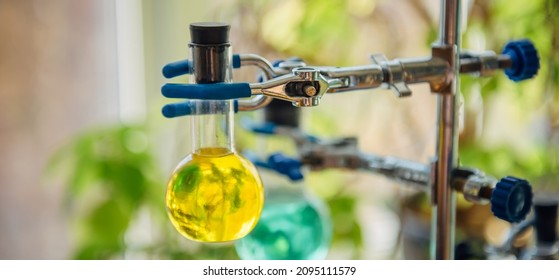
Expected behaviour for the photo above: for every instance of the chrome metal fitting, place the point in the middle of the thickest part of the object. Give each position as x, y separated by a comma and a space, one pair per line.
473, 186
303, 87
337, 153
488, 63
397, 78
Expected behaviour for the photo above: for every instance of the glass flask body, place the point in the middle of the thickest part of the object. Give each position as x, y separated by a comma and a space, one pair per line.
214, 194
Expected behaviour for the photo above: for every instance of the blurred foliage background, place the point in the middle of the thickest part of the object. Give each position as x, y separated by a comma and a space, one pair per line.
112, 174
529, 120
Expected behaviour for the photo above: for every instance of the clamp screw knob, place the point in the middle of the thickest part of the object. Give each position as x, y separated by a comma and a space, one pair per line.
525, 60
511, 200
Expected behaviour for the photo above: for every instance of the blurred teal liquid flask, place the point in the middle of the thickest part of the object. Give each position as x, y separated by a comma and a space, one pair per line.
294, 225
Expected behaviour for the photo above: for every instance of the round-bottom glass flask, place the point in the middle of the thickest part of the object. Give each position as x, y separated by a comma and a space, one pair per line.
214, 194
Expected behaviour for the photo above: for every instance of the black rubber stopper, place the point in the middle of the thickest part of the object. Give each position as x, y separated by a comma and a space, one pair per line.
209, 33
209, 43
545, 223
282, 112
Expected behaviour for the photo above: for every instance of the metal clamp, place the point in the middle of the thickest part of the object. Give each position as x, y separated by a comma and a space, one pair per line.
474, 186
303, 87
292, 80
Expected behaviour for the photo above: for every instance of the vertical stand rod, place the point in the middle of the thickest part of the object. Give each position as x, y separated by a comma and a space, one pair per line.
444, 210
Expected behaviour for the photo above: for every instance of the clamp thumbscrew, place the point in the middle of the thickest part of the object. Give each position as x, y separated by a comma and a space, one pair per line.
511, 200
524, 58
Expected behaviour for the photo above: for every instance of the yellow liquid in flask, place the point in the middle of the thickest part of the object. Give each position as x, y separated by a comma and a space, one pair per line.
214, 195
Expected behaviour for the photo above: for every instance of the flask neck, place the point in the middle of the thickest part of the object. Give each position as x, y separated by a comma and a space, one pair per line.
212, 127
212, 120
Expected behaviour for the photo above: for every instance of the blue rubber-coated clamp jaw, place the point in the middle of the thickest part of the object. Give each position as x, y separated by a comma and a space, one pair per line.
303, 87
185, 108
280, 163
184, 67
286, 166
267, 128
217, 91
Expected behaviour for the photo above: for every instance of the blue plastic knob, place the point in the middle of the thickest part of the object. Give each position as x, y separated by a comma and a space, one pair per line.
511, 200
525, 60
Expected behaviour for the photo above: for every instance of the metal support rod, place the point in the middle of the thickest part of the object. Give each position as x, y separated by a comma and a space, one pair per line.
472, 183
473, 65
444, 202
401, 170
